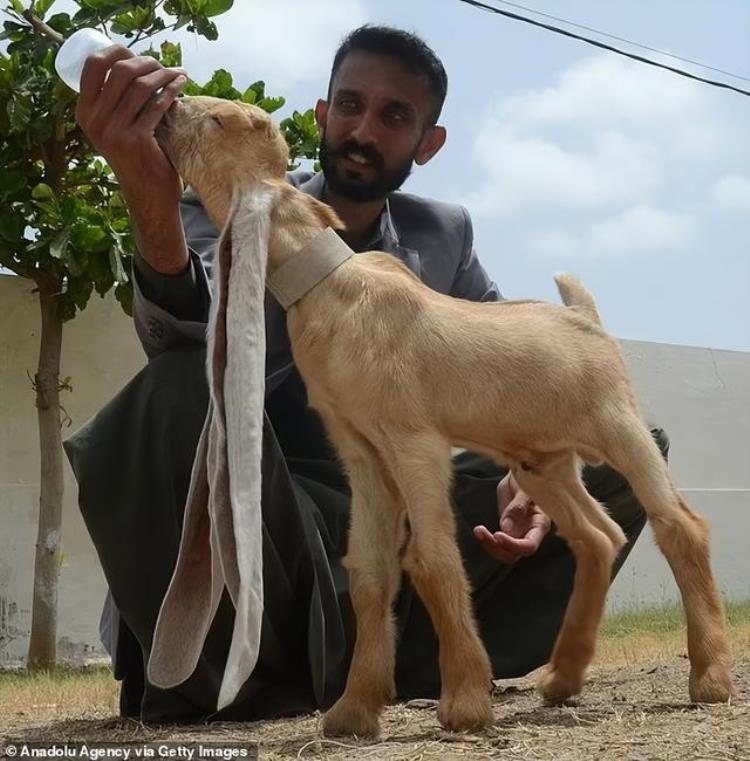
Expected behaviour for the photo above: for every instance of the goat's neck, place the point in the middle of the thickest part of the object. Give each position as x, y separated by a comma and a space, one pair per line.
217, 201
287, 242
293, 225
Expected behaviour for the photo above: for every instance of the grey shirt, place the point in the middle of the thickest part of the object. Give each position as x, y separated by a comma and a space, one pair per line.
434, 239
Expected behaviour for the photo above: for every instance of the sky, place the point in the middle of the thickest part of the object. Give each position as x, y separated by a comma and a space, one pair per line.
568, 158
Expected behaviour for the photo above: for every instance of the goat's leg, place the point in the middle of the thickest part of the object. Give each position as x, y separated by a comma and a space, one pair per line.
595, 539
421, 466
374, 579
683, 537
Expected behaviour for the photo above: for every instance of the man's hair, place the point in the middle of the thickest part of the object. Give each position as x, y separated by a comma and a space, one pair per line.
407, 48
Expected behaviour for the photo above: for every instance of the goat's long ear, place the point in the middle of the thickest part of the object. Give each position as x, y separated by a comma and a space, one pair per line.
194, 591
207, 557
237, 520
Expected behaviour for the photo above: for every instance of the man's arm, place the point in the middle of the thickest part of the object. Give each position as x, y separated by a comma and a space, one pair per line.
471, 281
172, 310
118, 111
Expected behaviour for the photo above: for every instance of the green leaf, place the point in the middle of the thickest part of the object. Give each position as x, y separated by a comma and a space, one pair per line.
206, 28
79, 290
19, 112
171, 54
61, 22
216, 7
249, 96
42, 191
124, 294
115, 264
42, 6
17, 6
269, 105
58, 245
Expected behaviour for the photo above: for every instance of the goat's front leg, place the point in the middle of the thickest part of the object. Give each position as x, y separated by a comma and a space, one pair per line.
422, 467
374, 579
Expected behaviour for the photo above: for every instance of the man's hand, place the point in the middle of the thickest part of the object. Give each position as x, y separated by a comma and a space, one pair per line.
118, 112
523, 525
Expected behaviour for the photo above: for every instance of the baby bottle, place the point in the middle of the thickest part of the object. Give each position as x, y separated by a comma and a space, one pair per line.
74, 52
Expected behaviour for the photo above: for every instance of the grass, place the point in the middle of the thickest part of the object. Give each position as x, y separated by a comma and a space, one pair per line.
91, 691
665, 618
643, 635
658, 633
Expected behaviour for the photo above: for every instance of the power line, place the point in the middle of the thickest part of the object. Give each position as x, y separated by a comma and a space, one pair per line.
604, 46
623, 39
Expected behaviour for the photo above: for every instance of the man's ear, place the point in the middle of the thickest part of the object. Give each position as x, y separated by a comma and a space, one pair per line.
321, 113
432, 141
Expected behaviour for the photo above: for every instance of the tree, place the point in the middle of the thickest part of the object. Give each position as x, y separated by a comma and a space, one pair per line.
63, 223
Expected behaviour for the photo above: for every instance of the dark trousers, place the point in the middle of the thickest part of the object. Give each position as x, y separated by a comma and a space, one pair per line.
133, 463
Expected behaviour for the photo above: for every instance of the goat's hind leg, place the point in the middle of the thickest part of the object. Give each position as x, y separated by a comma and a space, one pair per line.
683, 537
374, 579
594, 539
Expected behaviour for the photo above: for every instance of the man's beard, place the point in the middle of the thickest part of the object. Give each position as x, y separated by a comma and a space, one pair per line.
354, 187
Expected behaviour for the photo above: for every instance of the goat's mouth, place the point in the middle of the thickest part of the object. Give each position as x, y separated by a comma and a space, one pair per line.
164, 130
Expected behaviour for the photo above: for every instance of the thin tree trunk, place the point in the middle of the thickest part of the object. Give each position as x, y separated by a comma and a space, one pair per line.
43, 645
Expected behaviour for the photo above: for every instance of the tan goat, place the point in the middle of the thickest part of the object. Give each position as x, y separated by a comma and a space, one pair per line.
399, 374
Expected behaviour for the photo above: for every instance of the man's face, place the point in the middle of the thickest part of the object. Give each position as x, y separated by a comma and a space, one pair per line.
374, 126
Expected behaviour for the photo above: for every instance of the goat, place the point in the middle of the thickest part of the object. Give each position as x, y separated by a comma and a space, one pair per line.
399, 374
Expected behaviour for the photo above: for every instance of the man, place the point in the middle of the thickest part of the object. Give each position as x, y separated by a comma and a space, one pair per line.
133, 460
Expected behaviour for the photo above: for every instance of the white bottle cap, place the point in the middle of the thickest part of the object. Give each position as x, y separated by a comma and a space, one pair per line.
74, 52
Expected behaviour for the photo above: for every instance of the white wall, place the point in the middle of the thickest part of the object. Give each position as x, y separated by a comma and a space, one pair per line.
701, 397
100, 353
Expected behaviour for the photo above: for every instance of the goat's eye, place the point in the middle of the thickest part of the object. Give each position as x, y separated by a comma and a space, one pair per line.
217, 119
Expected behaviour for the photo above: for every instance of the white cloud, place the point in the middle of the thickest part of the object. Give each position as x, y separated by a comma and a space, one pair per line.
733, 192
285, 43
640, 229
636, 231
530, 170
607, 136
605, 90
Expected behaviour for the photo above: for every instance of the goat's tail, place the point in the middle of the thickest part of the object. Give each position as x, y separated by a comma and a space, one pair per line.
574, 294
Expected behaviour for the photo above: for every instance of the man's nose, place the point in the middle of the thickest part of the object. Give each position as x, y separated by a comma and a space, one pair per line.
365, 131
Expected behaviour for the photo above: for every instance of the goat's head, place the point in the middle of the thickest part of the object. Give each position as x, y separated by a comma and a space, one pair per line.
218, 146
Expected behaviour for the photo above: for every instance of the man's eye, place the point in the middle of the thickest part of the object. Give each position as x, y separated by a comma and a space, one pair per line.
347, 105
396, 116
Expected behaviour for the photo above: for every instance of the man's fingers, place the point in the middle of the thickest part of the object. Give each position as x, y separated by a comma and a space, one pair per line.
93, 76
141, 91
517, 516
152, 114
493, 547
521, 547
122, 76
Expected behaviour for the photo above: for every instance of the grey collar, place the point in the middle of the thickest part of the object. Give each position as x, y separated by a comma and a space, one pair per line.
302, 271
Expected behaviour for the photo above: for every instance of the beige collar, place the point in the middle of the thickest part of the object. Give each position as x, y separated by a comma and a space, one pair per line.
301, 272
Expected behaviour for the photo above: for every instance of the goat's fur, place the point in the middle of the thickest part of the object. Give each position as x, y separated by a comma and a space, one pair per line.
399, 374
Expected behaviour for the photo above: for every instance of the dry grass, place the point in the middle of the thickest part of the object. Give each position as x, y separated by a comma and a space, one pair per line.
658, 634
79, 692
635, 706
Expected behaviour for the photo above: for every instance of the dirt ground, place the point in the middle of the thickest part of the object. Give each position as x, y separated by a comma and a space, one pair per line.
636, 711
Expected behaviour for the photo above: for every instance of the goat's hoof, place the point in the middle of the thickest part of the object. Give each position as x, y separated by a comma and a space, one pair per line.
350, 717
714, 685
466, 710
556, 687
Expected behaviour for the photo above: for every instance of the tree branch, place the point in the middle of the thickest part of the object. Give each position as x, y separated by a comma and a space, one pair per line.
41, 28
